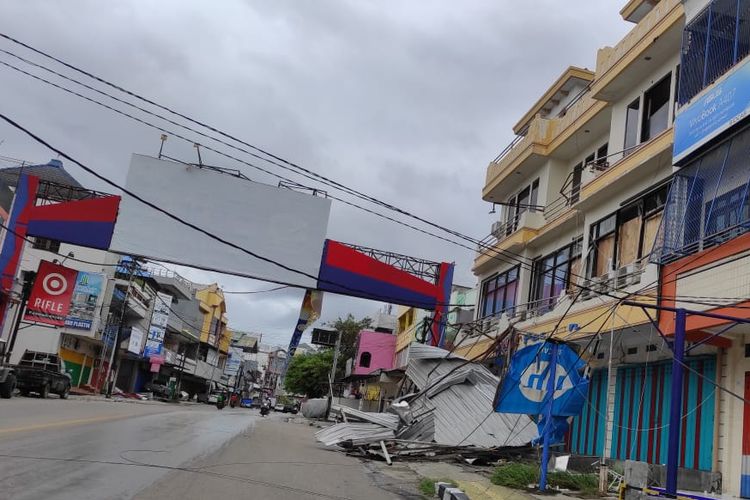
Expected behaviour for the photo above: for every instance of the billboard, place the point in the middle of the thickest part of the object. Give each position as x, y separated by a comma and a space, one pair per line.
284, 225
136, 339
88, 288
716, 110
49, 301
524, 388
158, 326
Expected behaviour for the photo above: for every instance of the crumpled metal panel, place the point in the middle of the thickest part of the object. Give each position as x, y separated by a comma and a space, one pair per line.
357, 433
464, 412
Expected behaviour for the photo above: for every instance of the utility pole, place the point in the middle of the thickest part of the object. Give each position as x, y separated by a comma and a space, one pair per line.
675, 414
551, 383
28, 284
332, 376
114, 359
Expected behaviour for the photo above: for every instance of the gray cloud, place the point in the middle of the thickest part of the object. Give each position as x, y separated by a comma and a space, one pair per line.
406, 101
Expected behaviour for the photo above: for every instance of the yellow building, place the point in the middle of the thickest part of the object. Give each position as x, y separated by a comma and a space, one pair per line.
214, 331
581, 190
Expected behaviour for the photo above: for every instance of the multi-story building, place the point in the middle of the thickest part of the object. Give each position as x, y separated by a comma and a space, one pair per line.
582, 191
704, 245
215, 336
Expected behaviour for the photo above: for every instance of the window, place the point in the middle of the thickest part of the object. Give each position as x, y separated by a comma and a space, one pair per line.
46, 244
555, 273
629, 234
525, 200
575, 186
364, 359
631, 125
603, 241
656, 108
726, 212
499, 293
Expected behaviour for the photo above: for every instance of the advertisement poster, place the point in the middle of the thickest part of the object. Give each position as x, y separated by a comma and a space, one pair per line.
158, 326
136, 339
312, 304
49, 302
86, 293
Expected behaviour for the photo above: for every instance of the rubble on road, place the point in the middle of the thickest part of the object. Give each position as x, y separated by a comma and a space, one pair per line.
354, 434
448, 416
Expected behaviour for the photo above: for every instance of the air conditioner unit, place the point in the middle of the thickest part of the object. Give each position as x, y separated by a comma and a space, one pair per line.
498, 229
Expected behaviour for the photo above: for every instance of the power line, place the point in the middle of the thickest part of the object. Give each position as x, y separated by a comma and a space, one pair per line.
189, 224
494, 253
517, 257
306, 172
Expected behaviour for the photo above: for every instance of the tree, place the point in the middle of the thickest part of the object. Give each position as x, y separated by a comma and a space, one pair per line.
308, 373
349, 328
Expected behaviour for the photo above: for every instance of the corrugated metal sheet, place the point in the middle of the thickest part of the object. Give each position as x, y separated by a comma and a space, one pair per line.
463, 411
355, 432
422, 430
388, 420
424, 351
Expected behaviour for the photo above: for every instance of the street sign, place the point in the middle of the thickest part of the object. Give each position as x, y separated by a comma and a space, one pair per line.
324, 337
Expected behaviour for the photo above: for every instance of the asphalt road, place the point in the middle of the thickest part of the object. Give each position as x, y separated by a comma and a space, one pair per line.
55, 449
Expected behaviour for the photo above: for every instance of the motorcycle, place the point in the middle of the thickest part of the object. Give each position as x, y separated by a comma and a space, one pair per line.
234, 399
265, 410
221, 402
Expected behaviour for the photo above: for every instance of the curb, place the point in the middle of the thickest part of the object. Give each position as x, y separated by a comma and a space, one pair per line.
446, 491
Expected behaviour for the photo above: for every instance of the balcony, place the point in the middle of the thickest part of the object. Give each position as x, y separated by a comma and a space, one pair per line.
652, 42
646, 160
507, 236
545, 137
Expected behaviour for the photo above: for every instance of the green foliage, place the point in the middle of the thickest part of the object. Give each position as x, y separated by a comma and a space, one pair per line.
515, 475
349, 328
308, 373
569, 481
427, 485
520, 476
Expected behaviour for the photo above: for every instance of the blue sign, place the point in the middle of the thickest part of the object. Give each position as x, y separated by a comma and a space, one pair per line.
723, 105
524, 388
83, 304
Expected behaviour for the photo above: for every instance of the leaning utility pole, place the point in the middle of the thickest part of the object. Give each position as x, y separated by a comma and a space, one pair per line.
114, 359
332, 376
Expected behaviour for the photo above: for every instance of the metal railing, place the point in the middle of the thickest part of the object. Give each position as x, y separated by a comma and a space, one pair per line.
168, 273
714, 41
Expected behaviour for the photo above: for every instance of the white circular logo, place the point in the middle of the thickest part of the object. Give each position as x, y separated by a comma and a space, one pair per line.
54, 284
533, 383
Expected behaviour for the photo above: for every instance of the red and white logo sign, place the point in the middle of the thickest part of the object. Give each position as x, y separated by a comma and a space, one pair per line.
50, 298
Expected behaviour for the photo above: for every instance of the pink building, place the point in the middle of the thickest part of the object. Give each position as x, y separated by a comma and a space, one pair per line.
375, 351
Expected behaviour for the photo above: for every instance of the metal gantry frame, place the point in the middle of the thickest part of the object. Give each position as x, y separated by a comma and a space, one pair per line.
425, 269
678, 368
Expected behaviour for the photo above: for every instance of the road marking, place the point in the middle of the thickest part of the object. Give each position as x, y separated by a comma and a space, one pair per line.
62, 423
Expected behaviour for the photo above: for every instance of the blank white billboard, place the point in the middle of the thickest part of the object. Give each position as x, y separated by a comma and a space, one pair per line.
286, 226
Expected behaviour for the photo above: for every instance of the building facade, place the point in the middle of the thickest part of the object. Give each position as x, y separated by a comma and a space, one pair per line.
583, 195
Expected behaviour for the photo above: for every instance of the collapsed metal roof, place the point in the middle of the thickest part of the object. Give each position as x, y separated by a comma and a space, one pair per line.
460, 401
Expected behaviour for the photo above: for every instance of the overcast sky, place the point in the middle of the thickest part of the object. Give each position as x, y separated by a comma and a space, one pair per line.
406, 101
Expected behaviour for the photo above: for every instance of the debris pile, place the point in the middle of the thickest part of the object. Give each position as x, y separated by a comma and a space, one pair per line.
448, 413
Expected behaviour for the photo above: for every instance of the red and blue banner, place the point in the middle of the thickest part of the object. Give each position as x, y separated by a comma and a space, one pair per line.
347, 271
20, 211
88, 223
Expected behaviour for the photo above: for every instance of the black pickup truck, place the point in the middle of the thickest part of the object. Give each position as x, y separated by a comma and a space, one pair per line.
42, 372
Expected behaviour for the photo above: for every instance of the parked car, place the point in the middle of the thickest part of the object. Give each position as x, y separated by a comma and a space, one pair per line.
42, 372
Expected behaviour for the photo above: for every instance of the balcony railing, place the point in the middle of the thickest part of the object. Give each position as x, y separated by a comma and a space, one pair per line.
609, 57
